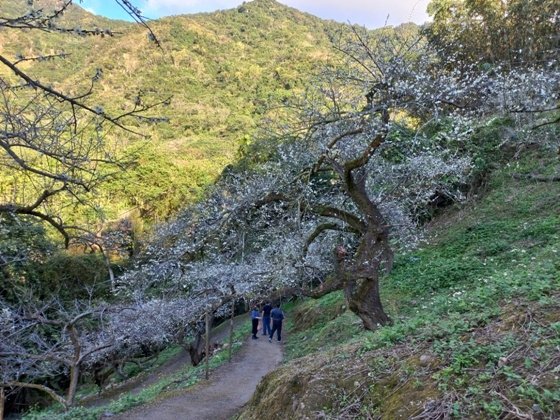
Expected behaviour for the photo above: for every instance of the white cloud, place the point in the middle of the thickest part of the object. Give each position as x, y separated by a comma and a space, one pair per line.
157, 8
371, 13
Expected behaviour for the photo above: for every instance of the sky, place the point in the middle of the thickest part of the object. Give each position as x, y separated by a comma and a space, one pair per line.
369, 13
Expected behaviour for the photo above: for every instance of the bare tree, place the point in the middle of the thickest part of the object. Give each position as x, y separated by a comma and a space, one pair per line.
53, 147
46, 341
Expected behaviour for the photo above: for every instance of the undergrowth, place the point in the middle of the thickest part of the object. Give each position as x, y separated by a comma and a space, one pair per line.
479, 305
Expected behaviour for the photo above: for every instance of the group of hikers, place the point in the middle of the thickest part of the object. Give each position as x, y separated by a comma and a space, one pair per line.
276, 315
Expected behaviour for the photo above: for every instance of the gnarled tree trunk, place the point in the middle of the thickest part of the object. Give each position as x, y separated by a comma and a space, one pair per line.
374, 255
196, 349
360, 278
2, 401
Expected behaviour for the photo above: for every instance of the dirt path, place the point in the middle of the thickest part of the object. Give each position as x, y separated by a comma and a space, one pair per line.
228, 389
219, 334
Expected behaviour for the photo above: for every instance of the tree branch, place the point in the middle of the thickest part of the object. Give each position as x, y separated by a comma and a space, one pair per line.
319, 230
36, 84
50, 392
331, 144
346, 217
370, 149
23, 165
554, 121
39, 357
12, 208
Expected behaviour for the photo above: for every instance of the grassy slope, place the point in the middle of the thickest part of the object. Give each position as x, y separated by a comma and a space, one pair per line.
476, 331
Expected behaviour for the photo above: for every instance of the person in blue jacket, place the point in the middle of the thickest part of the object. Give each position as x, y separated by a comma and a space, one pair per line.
277, 316
267, 308
255, 322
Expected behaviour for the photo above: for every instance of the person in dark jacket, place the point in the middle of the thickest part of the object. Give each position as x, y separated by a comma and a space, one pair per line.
277, 317
255, 322
267, 308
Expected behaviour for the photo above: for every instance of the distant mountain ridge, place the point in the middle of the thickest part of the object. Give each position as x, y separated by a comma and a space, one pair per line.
222, 70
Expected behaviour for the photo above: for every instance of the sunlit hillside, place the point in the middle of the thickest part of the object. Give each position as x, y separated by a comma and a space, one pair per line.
220, 70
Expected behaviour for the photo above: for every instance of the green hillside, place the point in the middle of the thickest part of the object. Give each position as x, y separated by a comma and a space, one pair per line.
397, 196
222, 71
476, 322
476, 325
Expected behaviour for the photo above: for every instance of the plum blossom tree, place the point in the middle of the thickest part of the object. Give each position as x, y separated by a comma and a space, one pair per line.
345, 185
47, 341
49, 346
495, 31
353, 172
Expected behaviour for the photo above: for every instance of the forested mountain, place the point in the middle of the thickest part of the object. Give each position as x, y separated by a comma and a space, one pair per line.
220, 70
398, 187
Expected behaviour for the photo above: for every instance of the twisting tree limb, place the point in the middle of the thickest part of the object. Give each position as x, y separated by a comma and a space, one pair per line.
54, 139
74, 102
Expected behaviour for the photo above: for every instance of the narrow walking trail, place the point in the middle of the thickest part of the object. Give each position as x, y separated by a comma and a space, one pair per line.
135, 385
226, 391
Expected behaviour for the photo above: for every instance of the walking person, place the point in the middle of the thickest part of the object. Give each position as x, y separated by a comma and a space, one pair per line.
277, 316
267, 308
255, 322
